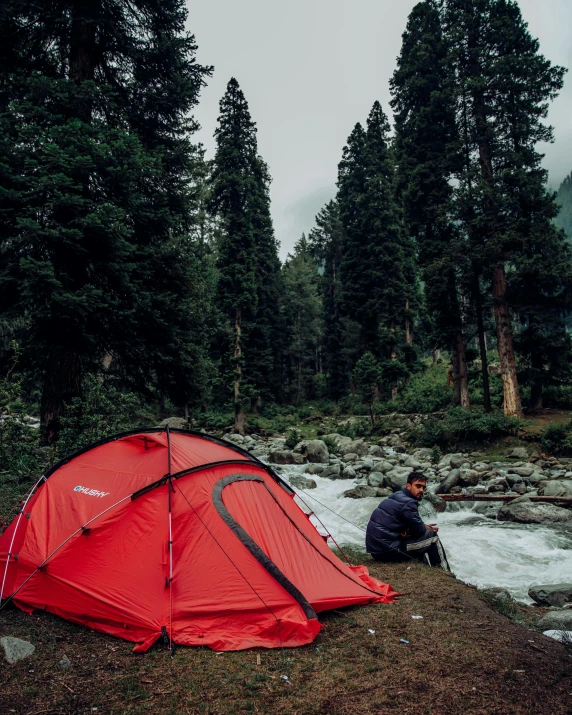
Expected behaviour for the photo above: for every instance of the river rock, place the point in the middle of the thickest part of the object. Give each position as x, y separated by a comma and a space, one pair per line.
375, 479
340, 441
315, 450
301, 482
331, 472
457, 461
522, 471
364, 490
376, 451
314, 469
518, 452
469, 477
481, 467
175, 423
412, 463
384, 466
450, 481
445, 461
554, 594
350, 457
396, 479
16, 649
556, 620
348, 472
286, 457
440, 505
359, 447
497, 595
556, 488
497, 486
526, 512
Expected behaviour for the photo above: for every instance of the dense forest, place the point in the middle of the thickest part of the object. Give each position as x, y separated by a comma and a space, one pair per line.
138, 275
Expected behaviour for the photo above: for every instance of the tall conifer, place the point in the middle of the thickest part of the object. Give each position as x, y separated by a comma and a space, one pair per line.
94, 193
427, 154
247, 254
506, 86
326, 241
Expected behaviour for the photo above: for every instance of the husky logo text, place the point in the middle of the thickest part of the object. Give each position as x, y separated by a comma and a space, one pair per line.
90, 492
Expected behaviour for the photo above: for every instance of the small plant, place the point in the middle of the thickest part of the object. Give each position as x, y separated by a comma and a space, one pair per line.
436, 454
292, 438
331, 444
557, 439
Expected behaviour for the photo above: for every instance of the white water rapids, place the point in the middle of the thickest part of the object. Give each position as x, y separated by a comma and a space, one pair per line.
481, 551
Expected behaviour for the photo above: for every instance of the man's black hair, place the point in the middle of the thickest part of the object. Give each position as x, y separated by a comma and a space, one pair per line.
416, 476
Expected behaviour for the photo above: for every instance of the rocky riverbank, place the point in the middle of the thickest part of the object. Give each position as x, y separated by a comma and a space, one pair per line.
381, 468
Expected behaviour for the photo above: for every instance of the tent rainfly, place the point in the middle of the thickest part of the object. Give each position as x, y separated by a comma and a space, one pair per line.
176, 534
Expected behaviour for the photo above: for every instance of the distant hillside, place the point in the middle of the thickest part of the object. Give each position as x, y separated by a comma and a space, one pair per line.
564, 199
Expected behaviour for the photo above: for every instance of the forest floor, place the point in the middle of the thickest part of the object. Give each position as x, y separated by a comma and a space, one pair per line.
462, 657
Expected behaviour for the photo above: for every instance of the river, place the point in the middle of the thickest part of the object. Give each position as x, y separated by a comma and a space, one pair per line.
481, 551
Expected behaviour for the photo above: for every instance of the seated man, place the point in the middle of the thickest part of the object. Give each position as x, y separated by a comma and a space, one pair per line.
396, 533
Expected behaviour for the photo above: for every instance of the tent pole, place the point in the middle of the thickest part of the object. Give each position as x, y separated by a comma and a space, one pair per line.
170, 489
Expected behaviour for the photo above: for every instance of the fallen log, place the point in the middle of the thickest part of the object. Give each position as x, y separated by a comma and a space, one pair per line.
504, 498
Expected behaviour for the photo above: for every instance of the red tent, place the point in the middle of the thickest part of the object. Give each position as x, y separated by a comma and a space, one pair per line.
180, 534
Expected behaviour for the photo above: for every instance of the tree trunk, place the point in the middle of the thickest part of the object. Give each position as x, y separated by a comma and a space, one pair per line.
408, 335
62, 382
462, 376
512, 403
83, 51
436, 356
535, 402
393, 359
238, 411
482, 341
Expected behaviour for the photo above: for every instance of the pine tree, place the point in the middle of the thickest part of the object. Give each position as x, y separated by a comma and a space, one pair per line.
302, 308
427, 154
326, 241
263, 331
94, 192
505, 85
248, 263
366, 376
378, 286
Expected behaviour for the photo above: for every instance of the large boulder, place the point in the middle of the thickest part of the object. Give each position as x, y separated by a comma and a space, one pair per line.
340, 441
331, 472
554, 594
285, 457
300, 482
16, 649
469, 477
556, 488
556, 620
524, 511
376, 451
450, 481
518, 453
384, 466
315, 450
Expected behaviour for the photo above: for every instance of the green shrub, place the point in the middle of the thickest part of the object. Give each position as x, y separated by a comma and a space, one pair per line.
330, 444
557, 439
436, 454
292, 438
427, 392
460, 425
104, 409
558, 396
355, 429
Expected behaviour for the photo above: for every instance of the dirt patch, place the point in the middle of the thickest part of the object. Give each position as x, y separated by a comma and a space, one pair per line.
462, 657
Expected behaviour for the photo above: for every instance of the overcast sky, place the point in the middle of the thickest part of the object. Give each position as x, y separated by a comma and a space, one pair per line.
311, 69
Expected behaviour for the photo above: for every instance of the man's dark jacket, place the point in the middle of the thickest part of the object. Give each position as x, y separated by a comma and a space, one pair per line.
396, 516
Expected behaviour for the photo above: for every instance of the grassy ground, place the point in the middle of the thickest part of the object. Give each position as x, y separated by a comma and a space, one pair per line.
462, 657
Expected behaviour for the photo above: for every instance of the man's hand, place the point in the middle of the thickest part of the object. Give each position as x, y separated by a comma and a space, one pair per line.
433, 527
